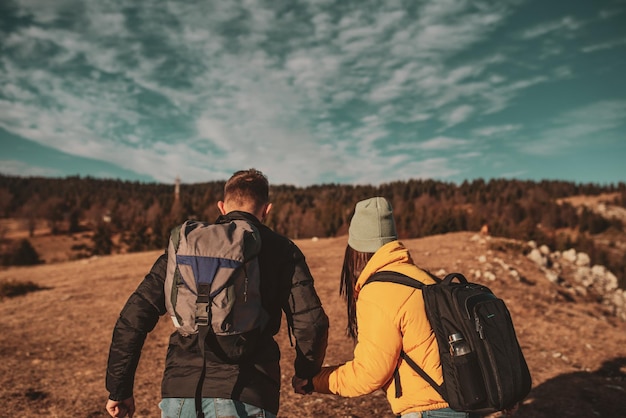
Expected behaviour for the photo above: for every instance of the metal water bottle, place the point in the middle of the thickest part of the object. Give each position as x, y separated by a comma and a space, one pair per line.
470, 379
458, 345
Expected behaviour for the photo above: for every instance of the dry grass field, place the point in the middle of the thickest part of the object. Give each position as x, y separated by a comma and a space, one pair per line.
54, 342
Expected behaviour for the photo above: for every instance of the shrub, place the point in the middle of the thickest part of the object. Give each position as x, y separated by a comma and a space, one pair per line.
22, 254
11, 288
102, 242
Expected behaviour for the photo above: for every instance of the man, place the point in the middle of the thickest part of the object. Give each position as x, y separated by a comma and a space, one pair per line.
233, 390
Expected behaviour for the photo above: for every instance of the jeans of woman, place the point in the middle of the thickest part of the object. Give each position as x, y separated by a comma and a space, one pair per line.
440, 413
212, 408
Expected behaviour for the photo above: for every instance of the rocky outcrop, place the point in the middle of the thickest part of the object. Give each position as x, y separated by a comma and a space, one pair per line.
570, 270
573, 270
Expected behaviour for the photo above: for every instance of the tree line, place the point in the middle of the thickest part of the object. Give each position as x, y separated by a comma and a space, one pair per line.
142, 214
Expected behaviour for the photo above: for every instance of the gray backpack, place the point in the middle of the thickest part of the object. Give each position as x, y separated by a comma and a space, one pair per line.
212, 286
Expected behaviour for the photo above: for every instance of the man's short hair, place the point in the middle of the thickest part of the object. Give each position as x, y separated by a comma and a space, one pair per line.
247, 189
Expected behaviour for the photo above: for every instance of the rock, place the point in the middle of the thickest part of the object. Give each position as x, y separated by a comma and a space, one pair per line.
611, 282
569, 255
552, 276
598, 270
502, 264
583, 260
536, 257
580, 290
583, 275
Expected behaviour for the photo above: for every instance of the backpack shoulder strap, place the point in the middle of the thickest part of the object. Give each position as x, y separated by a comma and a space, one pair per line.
394, 277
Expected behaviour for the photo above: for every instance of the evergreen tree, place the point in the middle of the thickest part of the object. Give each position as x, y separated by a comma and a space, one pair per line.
102, 242
25, 254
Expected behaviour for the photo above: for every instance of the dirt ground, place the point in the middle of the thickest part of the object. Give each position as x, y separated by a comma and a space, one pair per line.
54, 342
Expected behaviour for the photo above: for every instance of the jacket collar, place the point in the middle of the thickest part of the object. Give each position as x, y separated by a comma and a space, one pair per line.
238, 214
392, 256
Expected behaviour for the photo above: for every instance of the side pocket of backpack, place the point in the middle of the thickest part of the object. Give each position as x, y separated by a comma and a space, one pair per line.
470, 380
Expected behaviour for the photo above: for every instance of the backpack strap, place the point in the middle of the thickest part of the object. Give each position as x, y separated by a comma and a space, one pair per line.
204, 322
394, 277
399, 278
439, 388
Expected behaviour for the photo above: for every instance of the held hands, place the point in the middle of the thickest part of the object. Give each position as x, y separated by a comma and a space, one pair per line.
511, 411
302, 386
121, 409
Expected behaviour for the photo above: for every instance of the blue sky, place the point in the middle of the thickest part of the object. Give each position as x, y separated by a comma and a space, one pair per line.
316, 91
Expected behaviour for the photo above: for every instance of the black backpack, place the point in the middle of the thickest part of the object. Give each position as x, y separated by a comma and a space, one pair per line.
484, 369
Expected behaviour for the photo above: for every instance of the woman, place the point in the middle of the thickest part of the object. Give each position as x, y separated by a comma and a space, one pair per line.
383, 319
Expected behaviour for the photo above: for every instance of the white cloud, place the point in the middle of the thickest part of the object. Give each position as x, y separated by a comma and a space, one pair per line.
442, 143
564, 25
436, 144
44, 11
428, 169
395, 86
609, 13
469, 155
19, 168
497, 130
107, 24
499, 96
563, 72
589, 125
513, 174
614, 43
458, 115
215, 131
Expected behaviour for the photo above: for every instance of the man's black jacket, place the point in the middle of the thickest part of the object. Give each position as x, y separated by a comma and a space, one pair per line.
286, 285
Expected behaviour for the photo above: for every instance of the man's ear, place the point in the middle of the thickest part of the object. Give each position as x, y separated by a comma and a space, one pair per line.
266, 210
220, 206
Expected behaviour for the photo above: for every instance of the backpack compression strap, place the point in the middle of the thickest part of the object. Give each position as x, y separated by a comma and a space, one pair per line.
203, 321
399, 278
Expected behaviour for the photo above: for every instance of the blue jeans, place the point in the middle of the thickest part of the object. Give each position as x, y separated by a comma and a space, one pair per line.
440, 413
212, 408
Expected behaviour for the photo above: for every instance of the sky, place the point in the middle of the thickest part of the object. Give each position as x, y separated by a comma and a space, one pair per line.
314, 92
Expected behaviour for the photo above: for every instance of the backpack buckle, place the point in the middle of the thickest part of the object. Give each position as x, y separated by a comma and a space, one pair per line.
202, 313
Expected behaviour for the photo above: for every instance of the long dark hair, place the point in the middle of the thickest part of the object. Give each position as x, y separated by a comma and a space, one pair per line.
353, 264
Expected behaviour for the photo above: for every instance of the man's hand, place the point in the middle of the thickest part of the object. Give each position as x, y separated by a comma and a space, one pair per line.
302, 386
121, 409
511, 411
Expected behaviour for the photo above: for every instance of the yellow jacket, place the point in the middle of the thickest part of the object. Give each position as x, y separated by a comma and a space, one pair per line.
390, 317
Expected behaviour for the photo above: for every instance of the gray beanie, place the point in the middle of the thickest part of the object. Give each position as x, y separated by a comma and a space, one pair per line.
372, 225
